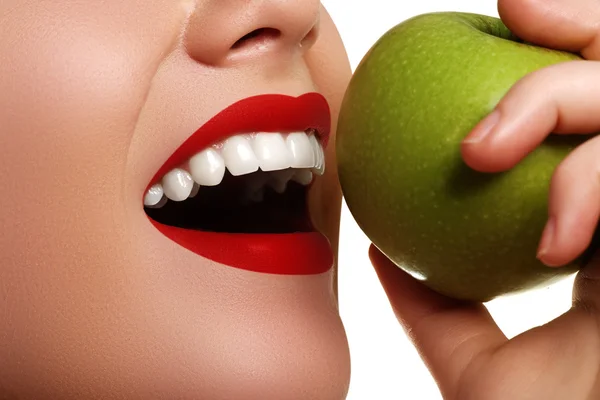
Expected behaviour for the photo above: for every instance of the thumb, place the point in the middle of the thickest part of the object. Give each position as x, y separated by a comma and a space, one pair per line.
449, 334
571, 25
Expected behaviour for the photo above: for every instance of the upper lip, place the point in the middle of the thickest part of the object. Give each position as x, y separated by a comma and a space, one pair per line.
262, 113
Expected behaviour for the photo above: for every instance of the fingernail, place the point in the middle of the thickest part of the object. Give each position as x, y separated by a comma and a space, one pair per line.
547, 238
484, 128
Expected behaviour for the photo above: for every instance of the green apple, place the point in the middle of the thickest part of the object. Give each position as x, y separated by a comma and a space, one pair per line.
416, 94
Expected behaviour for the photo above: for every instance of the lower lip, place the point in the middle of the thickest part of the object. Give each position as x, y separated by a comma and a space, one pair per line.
306, 253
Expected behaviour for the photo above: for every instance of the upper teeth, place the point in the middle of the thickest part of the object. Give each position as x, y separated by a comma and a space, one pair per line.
241, 155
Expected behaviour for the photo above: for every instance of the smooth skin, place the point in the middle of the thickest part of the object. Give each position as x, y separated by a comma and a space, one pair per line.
95, 302
466, 352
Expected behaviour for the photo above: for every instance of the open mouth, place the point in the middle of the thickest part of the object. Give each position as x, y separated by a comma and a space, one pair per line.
236, 190
250, 183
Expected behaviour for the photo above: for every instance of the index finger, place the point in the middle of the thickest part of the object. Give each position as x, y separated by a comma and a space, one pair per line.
571, 25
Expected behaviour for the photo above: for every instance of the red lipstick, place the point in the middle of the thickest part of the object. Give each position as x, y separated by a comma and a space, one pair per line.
266, 113
288, 253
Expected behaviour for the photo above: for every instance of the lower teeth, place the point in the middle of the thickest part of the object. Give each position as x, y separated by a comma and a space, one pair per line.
254, 203
254, 185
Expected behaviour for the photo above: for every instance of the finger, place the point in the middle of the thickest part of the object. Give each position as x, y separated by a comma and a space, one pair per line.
449, 334
574, 207
571, 25
562, 98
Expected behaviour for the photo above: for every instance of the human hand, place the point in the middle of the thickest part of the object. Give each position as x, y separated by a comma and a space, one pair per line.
471, 359
561, 99
466, 352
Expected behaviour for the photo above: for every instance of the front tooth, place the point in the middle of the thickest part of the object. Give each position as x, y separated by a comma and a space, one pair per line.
177, 184
299, 146
271, 151
153, 195
303, 176
207, 167
239, 156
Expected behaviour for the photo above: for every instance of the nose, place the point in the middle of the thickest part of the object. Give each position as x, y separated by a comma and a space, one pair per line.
221, 32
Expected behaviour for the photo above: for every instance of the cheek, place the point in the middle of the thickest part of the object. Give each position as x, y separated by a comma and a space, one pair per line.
329, 63
73, 77
331, 71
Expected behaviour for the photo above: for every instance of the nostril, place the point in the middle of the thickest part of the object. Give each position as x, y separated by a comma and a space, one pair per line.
311, 37
257, 36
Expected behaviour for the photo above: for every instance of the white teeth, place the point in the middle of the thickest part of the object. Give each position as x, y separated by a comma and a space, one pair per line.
271, 151
161, 203
207, 167
300, 149
153, 195
279, 179
277, 185
239, 156
319, 165
177, 184
303, 176
283, 157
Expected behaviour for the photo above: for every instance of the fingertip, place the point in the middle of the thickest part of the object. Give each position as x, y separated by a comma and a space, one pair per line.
408, 296
560, 248
574, 207
551, 260
490, 147
376, 257
556, 24
474, 156
484, 129
384, 267
562, 255
546, 242
374, 253
488, 157
558, 258
518, 16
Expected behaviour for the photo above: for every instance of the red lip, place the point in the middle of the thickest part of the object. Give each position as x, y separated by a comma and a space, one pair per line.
266, 113
287, 254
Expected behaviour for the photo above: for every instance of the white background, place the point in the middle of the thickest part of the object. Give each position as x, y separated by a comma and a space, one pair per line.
385, 366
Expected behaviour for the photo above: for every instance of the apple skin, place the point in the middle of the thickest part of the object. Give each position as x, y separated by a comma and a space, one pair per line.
413, 98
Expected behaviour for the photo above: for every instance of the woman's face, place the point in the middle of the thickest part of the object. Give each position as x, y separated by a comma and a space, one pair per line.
229, 294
